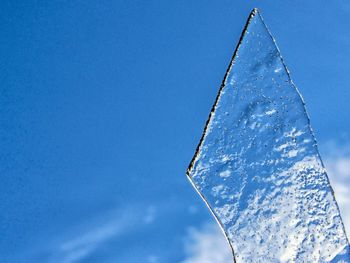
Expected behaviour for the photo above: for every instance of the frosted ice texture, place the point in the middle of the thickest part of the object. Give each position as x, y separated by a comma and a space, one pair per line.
258, 168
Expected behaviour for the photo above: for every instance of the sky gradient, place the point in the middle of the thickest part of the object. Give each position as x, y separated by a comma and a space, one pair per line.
103, 104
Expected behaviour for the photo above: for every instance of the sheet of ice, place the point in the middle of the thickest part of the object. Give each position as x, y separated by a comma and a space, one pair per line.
257, 165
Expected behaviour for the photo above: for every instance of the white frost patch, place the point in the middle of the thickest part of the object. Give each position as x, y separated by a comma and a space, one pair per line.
284, 146
270, 112
217, 189
292, 153
225, 213
225, 174
277, 70
293, 133
226, 158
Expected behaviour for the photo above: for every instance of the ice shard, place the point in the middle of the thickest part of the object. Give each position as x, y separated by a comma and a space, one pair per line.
257, 166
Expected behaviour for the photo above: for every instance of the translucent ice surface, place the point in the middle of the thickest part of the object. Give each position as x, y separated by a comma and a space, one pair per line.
257, 165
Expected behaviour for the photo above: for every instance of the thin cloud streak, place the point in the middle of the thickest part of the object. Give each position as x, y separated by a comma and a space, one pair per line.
83, 243
78, 248
97, 232
91, 236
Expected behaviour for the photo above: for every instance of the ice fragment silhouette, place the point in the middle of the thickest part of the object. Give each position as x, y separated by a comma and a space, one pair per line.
257, 165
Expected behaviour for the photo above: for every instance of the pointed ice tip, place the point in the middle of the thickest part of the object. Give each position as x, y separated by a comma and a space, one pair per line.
254, 12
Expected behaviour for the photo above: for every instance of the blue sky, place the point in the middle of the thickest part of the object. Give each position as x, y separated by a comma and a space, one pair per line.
103, 104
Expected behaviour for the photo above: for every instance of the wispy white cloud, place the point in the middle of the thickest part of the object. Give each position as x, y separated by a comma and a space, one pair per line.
207, 244
337, 162
150, 215
77, 248
76, 243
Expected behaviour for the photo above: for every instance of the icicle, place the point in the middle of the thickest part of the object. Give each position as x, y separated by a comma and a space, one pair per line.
257, 165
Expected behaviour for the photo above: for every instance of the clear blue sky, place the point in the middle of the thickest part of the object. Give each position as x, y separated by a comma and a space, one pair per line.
103, 104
